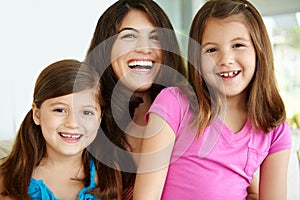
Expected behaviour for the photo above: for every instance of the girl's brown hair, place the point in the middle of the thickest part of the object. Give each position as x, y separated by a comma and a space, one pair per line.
265, 106
58, 79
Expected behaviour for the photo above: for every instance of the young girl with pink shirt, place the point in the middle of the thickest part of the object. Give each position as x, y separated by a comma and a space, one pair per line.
207, 142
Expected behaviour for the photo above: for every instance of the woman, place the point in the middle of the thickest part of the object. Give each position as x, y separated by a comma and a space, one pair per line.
133, 42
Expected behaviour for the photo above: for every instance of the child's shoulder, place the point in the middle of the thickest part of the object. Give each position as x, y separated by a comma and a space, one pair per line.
172, 91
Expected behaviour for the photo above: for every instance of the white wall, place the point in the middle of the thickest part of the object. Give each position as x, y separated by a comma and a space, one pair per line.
33, 34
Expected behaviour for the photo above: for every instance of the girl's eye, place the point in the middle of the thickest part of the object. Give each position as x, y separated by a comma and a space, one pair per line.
211, 50
87, 112
238, 45
60, 110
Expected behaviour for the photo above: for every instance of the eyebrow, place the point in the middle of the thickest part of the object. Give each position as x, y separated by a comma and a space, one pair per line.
65, 104
90, 106
233, 40
241, 38
135, 30
58, 103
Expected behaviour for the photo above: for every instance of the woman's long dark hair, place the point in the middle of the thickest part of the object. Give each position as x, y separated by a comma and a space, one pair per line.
99, 56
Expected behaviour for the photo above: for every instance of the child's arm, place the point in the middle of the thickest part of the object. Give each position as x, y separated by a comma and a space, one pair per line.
157, 147
253, 189
273, 176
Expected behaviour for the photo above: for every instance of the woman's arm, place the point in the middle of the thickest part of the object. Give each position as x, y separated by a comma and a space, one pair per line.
273, 176
157, 147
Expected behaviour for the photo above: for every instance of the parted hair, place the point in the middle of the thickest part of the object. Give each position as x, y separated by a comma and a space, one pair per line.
264, 105
58, 79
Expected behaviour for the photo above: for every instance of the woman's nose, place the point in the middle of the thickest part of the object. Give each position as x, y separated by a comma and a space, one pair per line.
143, 46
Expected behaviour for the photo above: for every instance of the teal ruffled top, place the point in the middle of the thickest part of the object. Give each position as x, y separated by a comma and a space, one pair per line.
38, 190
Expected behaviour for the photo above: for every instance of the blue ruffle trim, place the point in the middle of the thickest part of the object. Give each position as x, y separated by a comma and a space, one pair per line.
39, 191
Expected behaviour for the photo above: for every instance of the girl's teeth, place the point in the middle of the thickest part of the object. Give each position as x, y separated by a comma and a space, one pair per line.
229, 74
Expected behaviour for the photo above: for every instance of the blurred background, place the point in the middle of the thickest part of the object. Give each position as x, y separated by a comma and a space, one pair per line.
36, 33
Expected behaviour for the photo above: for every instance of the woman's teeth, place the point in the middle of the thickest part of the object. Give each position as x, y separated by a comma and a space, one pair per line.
140, 64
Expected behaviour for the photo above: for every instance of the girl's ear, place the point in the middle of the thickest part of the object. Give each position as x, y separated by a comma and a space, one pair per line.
35, 114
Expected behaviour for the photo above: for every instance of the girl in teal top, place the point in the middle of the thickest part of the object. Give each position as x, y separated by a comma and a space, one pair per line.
49, 159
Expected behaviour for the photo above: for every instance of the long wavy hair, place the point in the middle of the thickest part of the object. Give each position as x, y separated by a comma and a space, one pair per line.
264, 105
99, 56
58, 79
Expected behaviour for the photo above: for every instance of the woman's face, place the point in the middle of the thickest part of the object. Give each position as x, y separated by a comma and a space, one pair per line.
136, 54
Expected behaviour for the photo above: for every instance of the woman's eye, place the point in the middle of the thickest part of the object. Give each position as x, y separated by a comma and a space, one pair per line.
128, 36
154, 37
60, 110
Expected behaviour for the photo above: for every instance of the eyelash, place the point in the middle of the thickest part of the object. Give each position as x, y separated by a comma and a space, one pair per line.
132, 36
212, 50
85, 112
128, 36
238, 45
60, 110
155, 37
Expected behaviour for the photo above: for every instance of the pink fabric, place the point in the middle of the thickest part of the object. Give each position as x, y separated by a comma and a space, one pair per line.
218, 165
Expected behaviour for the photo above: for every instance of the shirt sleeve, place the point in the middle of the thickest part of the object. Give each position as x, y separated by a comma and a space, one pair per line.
282, 138
169, 104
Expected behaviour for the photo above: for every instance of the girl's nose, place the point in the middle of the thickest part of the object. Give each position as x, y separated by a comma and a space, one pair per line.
71, 121
226, 58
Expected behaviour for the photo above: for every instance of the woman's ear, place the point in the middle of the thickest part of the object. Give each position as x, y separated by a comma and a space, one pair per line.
35, 114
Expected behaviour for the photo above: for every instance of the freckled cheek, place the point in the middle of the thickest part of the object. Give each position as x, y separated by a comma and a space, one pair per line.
250, 67
91, 123
47, 121
207, 65
92, 128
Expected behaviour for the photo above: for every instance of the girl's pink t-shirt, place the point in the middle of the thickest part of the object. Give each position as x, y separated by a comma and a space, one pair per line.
218, 165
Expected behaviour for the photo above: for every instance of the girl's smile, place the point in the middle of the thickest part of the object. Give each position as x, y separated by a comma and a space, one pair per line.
69, 123
228, 55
